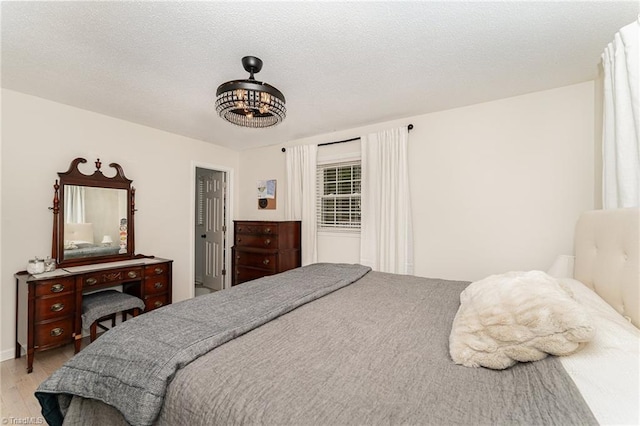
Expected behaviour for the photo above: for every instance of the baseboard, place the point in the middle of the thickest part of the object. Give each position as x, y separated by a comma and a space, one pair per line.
9, 354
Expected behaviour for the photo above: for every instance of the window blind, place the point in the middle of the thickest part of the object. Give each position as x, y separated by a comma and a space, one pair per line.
338, 196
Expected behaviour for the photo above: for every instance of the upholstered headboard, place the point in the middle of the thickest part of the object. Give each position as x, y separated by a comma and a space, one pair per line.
608, 258
78, 232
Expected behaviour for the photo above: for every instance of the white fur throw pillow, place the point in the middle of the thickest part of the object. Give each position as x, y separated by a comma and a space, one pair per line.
517, 316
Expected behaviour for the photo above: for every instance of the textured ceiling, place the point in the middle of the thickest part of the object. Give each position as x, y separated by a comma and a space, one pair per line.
340, 65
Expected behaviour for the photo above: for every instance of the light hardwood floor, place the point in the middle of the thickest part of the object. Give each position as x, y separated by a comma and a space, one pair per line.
17, 401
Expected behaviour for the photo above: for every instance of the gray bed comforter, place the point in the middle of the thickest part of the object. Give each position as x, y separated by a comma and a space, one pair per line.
374, 352
130, 367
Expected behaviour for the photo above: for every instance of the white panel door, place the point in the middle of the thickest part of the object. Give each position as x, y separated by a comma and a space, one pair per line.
212, 187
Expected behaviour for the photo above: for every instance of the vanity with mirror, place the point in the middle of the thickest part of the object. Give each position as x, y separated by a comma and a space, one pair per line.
93, 246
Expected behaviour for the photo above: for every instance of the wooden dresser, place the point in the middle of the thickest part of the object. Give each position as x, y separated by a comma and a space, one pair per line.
49, 305
264, 248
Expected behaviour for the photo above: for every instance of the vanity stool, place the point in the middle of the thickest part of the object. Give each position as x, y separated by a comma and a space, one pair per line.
104, 305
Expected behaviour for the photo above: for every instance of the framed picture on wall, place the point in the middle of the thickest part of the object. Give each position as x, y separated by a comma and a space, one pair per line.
266, 194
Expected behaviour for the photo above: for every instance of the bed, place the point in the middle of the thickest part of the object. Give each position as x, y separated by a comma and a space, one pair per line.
358, 347
79, 242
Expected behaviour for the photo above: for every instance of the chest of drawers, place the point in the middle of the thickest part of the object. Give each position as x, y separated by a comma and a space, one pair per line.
264, 248
49, 306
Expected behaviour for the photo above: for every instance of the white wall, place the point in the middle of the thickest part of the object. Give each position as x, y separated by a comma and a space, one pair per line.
496, 186
40, 138
598, 127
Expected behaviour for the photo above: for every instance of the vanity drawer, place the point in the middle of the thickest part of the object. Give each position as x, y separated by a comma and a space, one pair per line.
55, 286
54, 333
266, 261
155, 284
155, 302
52, 307
257, 241
156, 270
112, 276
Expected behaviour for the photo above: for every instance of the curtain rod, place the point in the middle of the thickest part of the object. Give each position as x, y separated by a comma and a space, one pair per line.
409, 127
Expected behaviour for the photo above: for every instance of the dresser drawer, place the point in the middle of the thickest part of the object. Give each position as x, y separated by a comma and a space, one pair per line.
110, 277
54, 333
155, 302
52, 307
265, 261
55, 286
257, 229
243, 274
156, 270
257, 241
155, 284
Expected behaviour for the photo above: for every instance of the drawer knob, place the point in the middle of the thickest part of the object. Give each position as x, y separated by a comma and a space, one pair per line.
239, 240
267, 230
267, 242
158, 271
265, 262
157, 304
57, 307
158, 285
239, 228
57, 288
56, 332
91, 281
132, 274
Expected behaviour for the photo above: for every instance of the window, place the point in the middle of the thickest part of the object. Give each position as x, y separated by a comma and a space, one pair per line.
338, 195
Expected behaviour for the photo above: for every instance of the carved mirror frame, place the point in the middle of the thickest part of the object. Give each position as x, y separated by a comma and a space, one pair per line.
74, 176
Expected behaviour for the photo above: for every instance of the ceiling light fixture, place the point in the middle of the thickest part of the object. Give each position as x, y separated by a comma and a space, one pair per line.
250, 103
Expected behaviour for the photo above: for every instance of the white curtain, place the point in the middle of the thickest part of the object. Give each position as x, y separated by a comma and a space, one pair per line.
301, 196
621, 122
386, 236
74, 204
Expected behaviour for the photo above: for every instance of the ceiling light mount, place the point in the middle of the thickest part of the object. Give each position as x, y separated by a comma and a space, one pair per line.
252, 65
250, 103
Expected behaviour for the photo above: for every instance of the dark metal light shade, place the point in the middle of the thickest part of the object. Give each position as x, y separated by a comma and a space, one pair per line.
250, 103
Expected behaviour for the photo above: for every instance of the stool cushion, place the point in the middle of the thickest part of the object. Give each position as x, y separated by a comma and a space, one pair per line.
103, 303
